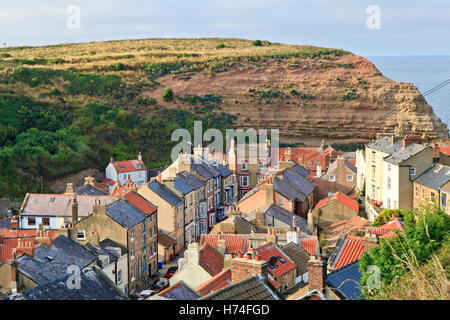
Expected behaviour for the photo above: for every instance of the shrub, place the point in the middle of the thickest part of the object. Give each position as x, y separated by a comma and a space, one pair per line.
118, 66
257, 43
5, 55
167, 94
220, 46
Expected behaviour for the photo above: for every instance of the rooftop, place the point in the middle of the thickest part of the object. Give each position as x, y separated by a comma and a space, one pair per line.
89, 190
179, 291
129, 166
287, 217
298, 255
165, 193
348, 249
434, 177
346, 280
140, 202
210, 259
190, 179
219, 281
341, 198
125, 214
404, 154
253, 288
279, 262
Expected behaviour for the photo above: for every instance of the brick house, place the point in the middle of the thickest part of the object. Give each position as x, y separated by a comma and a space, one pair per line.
335, 207
433, 185
131, 226
341, 177
312, 158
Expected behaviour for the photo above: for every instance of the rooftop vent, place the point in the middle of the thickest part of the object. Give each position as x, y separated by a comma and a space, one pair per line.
49, 258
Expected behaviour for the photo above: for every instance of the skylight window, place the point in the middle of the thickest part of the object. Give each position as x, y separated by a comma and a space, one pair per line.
52, 199
122, 166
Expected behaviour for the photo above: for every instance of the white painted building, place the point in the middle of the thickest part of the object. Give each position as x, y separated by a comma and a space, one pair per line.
122, 170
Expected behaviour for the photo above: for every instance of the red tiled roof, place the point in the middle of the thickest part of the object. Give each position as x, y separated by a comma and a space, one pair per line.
9, 240
351, 251
275, 284
269, 250
445, 150
309, 244
140, 202
217, 282
210, 259
129, 166
235, 243
346, 201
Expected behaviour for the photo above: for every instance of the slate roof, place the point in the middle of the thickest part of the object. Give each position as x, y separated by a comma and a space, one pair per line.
286, 217
108, 243
94, 286
385, 145
125, 214
89, 190
253, 288
346, 280
434, 177
98, 250
182, 186
5, 223
405, 153
179, 291
298, 181
165, 193
297, 254
210, 259
300, 170
190, 179
224, 171
50, 263
60, 205
219, 281
242, 226
287, 191
202, 171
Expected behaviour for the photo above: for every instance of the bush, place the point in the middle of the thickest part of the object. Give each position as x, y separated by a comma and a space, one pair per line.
257, 43
220, 46
167, 94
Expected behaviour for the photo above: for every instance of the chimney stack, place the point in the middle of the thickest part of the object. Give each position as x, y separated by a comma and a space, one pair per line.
317, 273
74, 210
244, 266
370, 240
89, 181
408, 140
318, 170
139, 156
69, 188
159, 176
269, 192
14, 224
14, 275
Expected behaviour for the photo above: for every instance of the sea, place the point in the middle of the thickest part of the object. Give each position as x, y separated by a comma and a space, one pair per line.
425, 72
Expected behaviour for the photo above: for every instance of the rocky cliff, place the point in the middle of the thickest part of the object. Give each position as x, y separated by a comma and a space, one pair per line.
339, 98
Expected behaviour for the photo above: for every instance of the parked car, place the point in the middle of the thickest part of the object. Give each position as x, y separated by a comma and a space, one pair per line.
160, 285
170, 272
146, 293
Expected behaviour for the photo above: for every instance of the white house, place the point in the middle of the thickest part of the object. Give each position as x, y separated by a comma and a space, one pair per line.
122, 170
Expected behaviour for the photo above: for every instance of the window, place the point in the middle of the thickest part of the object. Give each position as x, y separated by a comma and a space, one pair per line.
144, 242
373, 173
244, 181
46, 221
317, 163
412, 171
416, 191
374, 156
132, 251
388, 167
432, 195
119, 277
332, 177
389, 183
81, 234
144, 262
444, 199
132, 235
349, 177
373, 192
244, 166
388, 203
423, 193
31, 221
310, 163
280, 201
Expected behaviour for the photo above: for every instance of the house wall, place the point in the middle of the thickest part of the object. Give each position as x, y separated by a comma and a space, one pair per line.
110, 172
25, 283
287, 280
391, 195
422, 195
331, 213
325, 187
361, 166
170, 219
445, 190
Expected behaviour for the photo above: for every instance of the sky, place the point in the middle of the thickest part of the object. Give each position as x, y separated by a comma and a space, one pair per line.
406, 27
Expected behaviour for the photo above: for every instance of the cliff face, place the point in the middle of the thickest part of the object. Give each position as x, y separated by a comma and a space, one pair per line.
312, 99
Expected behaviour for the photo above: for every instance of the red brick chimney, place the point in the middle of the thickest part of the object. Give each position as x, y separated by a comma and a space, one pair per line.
14, 276
410, 140
14, 224
317, 274
159, 177
288, 154
26, 246
245, 266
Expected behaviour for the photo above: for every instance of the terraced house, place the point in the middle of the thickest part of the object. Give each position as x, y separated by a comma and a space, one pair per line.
170, 209
132, 223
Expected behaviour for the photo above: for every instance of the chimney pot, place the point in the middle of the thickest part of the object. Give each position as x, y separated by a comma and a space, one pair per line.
248, 256
240, 255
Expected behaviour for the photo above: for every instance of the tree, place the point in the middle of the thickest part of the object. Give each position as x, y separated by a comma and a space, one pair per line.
257, 43
385, 216
167, 94
426, 229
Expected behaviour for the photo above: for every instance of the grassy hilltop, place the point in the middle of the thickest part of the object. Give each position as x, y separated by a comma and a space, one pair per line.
64, 108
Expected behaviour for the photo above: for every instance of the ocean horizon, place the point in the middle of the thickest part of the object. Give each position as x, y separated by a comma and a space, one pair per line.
425, 72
